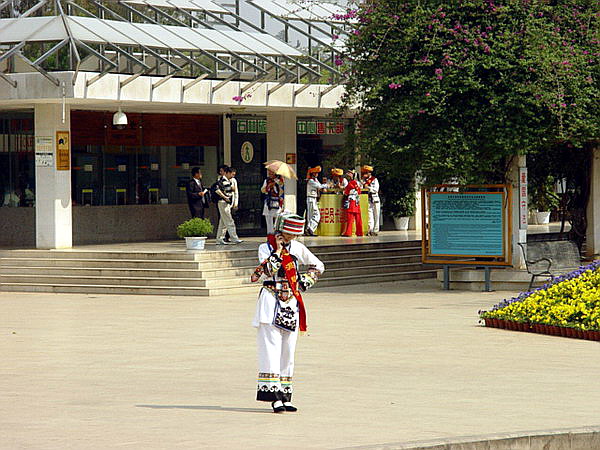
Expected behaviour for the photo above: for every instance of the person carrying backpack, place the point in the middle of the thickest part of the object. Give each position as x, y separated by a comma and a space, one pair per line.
223, 193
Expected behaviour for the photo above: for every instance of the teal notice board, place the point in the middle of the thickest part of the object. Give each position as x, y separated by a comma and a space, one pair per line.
466, 224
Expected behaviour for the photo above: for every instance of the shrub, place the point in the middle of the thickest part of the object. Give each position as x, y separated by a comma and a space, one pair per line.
195, 228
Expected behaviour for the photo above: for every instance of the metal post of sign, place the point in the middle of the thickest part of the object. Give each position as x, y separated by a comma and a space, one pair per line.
488, 281
446, 277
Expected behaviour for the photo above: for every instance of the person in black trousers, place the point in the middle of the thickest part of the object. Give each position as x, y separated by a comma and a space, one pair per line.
195, 194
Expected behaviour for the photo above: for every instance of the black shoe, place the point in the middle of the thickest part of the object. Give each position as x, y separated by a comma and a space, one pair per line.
278, 407
289, 407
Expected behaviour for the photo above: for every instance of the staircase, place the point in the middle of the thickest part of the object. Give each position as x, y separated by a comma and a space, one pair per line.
207, 273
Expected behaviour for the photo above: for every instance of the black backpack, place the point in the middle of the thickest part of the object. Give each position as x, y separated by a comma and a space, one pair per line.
214, 197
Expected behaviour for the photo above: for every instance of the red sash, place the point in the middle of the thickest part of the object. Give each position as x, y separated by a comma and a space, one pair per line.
292, 276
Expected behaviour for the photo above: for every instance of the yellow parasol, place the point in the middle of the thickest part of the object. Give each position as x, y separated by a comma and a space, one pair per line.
281, 168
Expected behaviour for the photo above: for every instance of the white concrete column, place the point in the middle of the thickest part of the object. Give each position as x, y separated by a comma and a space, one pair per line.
53, 219
519, 231
281, 139
226, 140
593, 207
416, 219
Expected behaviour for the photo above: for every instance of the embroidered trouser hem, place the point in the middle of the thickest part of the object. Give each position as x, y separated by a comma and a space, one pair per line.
275, 363
272, 388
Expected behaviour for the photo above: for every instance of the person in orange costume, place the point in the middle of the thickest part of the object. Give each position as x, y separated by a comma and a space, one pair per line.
351, 204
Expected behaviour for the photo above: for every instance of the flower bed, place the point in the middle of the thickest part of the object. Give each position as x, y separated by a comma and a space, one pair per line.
567, 306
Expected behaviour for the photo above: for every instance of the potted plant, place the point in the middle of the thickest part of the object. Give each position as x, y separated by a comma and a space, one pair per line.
401, 209
543, 199
195, 231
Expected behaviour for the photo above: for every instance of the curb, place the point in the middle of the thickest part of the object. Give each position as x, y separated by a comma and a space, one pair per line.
584, 438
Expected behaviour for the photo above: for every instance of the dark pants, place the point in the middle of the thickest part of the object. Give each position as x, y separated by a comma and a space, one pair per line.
196, 210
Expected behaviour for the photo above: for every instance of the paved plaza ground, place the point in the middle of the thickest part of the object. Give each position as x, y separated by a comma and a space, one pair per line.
382, 364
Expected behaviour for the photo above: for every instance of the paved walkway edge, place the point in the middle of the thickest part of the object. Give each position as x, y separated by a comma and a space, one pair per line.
584, 438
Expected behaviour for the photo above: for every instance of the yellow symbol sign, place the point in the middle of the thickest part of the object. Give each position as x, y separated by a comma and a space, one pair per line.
63, 154
247, 152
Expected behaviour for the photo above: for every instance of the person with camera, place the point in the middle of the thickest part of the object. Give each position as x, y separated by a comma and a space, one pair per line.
280, 312
273, 190
225, 193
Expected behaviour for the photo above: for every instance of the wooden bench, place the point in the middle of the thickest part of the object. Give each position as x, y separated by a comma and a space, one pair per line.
550, 258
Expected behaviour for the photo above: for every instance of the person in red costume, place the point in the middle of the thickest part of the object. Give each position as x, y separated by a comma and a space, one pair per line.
351, 205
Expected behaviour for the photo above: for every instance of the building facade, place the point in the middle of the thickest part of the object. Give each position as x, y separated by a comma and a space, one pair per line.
198, 83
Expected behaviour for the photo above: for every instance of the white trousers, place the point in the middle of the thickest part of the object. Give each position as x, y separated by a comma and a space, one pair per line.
313, 215
276, 349
374, 211
270, 220
226, 222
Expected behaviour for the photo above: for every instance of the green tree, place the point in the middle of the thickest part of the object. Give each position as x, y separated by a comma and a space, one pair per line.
453, 89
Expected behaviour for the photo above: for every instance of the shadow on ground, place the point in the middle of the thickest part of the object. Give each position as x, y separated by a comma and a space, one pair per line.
206, 408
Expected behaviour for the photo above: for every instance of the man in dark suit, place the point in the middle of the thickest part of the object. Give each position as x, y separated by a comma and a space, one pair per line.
195, 194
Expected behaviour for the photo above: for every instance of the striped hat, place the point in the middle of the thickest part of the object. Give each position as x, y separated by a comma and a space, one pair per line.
289, 223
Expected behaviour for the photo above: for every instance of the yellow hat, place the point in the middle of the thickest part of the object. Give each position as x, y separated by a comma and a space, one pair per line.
337, 172
366, 168
312, 170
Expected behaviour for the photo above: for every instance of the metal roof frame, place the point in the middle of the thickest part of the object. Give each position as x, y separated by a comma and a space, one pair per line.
146, 51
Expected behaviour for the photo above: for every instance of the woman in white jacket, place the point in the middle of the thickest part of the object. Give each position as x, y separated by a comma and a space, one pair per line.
280, 311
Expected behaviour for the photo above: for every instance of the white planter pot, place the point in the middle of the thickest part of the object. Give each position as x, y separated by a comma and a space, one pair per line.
195, 243
401, 223
542, 217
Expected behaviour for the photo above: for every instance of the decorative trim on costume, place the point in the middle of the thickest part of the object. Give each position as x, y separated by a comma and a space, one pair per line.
308, 279
271, 387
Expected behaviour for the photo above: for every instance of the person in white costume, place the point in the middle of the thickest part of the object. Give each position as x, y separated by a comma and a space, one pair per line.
313, 188
273, 188
371, 184
280, 312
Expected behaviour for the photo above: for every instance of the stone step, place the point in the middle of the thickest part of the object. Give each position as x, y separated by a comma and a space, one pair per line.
122, 280
101, 271
381, 253
340, 281
328, 259
224, 271
106, 263
105, 289
376, 278
221, 289
359, 270
98, 255
146, 270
